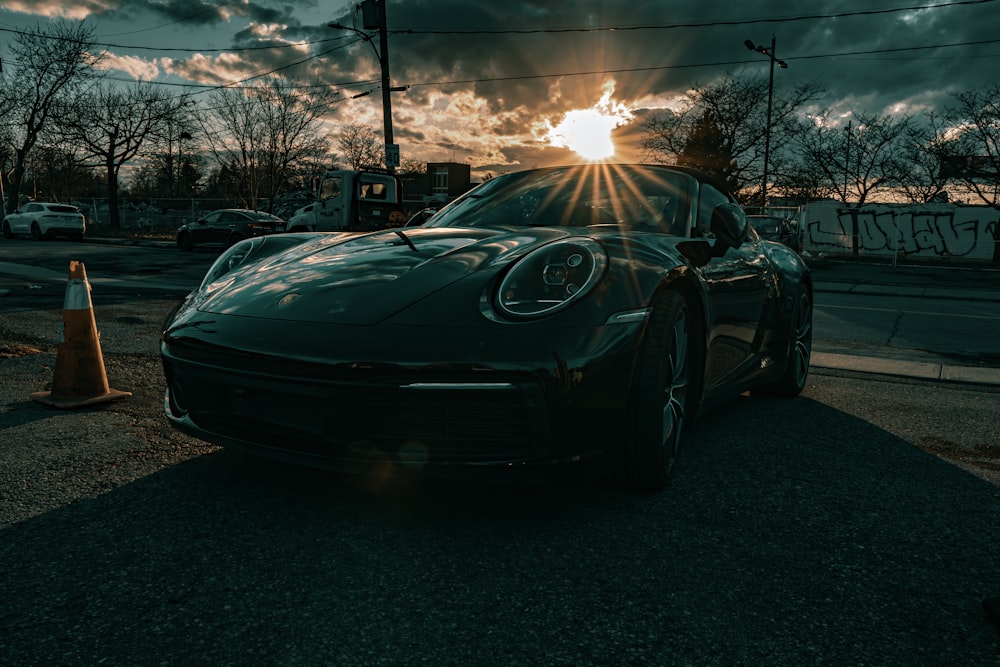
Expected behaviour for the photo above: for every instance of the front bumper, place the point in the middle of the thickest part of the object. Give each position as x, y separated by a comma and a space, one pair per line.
532, 405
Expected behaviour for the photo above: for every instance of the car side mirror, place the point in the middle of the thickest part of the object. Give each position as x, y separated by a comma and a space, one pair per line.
729, 226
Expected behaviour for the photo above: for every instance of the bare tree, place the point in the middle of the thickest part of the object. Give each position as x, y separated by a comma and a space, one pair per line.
926, 180
259, 133
57, 173
171, 151
292, 136
855, 161
52, 61
705, 148
360, 146
967, 140
737, 108
109, 127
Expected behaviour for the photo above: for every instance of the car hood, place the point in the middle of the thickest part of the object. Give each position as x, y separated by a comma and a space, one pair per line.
368, 278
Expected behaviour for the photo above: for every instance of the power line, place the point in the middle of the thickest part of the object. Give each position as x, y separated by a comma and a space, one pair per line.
694, 65
350, 84
529, 31
174, 49
696, 24
205, 88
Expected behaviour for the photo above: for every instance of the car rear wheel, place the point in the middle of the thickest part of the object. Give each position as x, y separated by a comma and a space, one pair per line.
236, 237
663, 399
7, 233
793, 381
36, 231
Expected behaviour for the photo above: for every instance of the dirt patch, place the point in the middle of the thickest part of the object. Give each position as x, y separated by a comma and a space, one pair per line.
14, 350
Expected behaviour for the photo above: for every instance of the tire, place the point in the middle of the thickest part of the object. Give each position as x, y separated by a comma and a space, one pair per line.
793, 380
36, 232
184, 242
663, 398
235, 238
7, 234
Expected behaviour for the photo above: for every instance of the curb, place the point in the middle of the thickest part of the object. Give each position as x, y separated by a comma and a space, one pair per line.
924, 370
906, 290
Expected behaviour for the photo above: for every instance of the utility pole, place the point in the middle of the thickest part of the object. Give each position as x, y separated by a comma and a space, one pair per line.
770, 96
847, 159
373, 18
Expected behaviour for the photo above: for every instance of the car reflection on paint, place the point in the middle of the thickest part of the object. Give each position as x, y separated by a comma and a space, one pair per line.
546, 319
778, 229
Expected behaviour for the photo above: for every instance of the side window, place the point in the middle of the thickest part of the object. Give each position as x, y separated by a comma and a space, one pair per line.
330, 188
373, 191
708, 198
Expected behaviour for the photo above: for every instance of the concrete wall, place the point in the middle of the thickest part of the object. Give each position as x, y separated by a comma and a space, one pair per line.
925, 231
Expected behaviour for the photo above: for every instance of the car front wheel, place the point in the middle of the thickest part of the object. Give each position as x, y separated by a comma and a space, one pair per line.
663, 397
7, 233
36, 231
793, 380
184, 242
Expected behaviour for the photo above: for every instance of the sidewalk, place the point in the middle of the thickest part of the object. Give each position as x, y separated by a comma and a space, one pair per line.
949, 282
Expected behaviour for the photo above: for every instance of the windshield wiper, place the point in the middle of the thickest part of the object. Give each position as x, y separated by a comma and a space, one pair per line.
406, 239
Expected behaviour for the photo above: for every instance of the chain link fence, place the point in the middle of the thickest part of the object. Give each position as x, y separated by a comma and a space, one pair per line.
159, 214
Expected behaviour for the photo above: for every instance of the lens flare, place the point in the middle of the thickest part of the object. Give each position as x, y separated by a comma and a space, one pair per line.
587, 132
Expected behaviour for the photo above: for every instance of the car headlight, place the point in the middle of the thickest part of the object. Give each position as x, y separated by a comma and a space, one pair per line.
551, 278
235, 255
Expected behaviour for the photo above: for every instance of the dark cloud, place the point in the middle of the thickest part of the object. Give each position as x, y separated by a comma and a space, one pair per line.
835, 52
531, 61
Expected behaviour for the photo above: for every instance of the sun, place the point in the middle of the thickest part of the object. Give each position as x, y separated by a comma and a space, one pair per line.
587, 132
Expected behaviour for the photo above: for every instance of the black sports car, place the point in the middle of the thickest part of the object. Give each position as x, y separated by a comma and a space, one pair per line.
227, 226
550, 316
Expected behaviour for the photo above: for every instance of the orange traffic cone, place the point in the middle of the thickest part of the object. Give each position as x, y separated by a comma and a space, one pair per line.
79, 377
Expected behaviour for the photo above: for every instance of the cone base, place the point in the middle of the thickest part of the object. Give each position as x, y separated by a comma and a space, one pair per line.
48, 398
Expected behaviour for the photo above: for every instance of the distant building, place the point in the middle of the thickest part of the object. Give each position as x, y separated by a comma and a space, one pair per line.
439, 184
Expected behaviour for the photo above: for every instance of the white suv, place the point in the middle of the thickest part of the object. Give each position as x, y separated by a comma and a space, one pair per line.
43, 220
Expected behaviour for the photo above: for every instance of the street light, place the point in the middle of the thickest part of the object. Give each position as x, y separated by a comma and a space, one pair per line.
769, 52
373, 17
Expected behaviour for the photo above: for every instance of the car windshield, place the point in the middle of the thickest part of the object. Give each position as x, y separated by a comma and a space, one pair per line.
628, 197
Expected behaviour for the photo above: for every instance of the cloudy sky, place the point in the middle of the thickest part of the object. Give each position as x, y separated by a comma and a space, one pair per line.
502, 84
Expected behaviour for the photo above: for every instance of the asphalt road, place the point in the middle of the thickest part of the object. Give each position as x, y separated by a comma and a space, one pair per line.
857, 524
810, 531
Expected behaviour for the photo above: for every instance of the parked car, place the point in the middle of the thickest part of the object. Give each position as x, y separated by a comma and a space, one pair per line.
546, 318
225, 227
44, 220
775, 228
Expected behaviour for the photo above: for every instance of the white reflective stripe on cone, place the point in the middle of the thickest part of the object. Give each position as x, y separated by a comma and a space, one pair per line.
77, 295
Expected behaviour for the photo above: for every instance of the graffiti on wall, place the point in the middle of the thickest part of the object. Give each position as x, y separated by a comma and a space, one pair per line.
935, 231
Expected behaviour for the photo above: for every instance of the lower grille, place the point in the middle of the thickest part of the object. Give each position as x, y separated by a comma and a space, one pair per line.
445, 422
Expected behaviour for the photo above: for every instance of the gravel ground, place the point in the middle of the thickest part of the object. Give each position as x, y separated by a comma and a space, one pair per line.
50, 456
